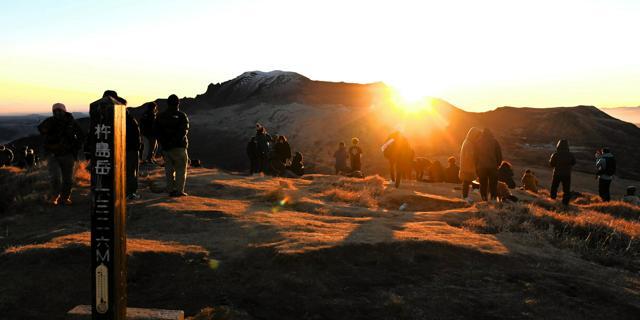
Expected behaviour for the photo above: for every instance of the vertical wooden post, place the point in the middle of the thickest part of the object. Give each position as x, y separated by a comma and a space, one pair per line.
108, 209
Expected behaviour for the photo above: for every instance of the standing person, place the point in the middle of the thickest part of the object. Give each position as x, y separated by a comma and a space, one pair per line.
281, 155
341, 156
6, 156
263, 140
172, 127
606, 165
389, 150
147, 124
403, 159
451, 171
355, 155
488, 157
467, 161
529, 181
505, 174
252, 153
63, 139
562, 162
133, 146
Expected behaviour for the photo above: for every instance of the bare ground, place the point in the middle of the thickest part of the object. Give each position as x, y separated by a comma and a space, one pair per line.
324, 247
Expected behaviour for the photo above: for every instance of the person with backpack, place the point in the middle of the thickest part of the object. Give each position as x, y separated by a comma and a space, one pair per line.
63, 139
562, 162
133, 146
355, 155
467, 162
488, 156
606, 166
6, 156
263, 141
172, 128
341, 156
147, 124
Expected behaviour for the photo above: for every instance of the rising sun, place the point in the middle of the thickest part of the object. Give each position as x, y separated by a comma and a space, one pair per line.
410, 99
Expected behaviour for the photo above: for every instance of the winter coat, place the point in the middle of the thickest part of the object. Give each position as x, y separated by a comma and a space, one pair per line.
282, 151
602, 164
252, 149
562, 160
341, 157
488, 154
467, 156
134, 140
172, 127
505, 174
147, 124
263, 141
529, 182
62, 136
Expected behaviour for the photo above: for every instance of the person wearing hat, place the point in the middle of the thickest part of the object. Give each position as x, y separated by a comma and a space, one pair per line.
172, 127
631, 196
63, 139
6, 156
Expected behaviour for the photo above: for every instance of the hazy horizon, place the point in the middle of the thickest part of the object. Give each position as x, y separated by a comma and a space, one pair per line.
475, 55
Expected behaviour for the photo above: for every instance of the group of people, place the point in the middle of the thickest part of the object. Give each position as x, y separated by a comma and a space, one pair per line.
272, 155
348, 162
64, 139
24, 157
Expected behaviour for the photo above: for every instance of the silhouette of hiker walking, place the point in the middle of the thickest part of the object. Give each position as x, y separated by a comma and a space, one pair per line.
172, 127
488, 156
63, 139
562, 162
606, 165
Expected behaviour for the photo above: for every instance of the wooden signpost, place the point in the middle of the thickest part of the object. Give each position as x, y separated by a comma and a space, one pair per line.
108, 210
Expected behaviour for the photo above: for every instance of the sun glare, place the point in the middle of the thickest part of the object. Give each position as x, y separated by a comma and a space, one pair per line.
410, 99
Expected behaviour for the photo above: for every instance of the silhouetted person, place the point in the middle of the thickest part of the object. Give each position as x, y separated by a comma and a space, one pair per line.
297, 165
6, 156
504, 195
468, 161
606, 165
505, 174
63, 139
31, 159
133, 146
451, 171
172, 127
403, 159
147, 124
421, 165
529, 181
562, 162
252, 154
436, 172
282, 150
20, 157
263, 139
488, 157
341, 155
389, 152
355, 155
631, 196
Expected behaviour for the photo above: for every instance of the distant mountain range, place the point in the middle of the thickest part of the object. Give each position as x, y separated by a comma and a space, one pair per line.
629, 114
316, 115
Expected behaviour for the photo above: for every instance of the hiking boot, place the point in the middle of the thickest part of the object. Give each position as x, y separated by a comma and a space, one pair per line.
67, 201
55, 200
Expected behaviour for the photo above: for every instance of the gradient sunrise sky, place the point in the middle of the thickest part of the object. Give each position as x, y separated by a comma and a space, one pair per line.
477, 55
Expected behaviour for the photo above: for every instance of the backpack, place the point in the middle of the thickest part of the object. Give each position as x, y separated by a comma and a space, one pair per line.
610, 166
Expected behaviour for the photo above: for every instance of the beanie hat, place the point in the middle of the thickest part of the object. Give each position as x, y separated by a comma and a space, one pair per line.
58, 106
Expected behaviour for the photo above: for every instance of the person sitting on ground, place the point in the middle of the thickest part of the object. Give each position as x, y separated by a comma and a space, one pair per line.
355, 155
297, 165
504, 195
341, 156
420, 165
252, 154
631, 197
529, 181
436, 172
6, 156
505, 174
451, 172
281, 155
172, 128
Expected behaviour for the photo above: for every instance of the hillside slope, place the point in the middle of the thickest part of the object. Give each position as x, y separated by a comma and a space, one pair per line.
326, 247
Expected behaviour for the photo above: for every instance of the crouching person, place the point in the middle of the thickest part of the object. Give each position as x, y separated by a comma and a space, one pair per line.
63, 139
172, 129
503, 193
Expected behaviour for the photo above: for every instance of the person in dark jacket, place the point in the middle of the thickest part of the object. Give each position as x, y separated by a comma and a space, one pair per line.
341, 155
31, 159
436, 172
281, 155
505, 174
297, 165
488, 156
264, 142
402, 158
6, 156
172, 127
451, 171
421, 165
133, 146
606, 166
252, 153
147, 124
355, 155
562, 162
63, 139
